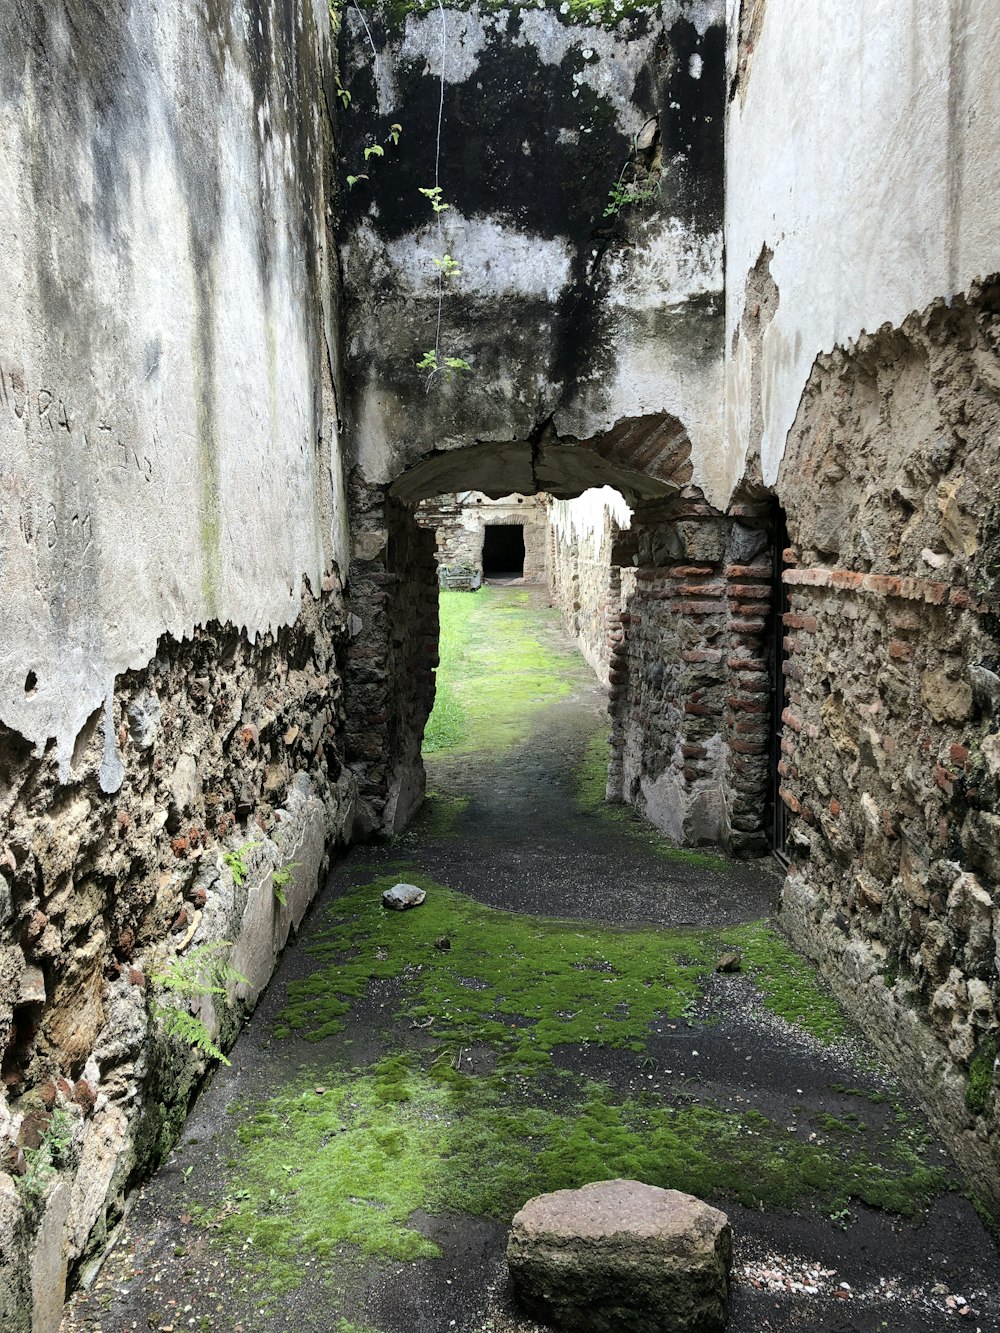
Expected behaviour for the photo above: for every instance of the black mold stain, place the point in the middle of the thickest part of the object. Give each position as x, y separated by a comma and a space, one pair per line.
692, 126
511, 100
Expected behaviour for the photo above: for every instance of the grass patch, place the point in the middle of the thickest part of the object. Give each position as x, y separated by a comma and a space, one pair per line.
496, 671
524, 984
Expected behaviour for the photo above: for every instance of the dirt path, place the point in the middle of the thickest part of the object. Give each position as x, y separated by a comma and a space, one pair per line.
410, 1078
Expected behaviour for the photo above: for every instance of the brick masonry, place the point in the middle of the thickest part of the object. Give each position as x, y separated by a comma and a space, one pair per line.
689, 663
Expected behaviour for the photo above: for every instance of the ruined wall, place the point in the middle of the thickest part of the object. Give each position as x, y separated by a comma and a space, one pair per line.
577, 266
171, 527
392, 656
891, 749
459, 522
689, 671
864, 225
583, 583
862, 384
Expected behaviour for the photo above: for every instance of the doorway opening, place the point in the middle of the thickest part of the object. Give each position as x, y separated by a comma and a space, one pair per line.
503, 551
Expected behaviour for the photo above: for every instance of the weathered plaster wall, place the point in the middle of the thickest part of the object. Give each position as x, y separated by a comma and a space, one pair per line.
573, 322
580, 570
861, 152
172, 540
161, 201
863, 383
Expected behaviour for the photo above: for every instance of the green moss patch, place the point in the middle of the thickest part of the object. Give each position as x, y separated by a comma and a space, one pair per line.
338, 1167
436, 819
524, 985
980, 1086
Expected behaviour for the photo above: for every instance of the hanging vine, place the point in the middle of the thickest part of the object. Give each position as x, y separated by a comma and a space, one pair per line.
433, 360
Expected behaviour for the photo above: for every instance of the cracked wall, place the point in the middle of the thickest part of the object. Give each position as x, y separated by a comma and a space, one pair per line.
574, 319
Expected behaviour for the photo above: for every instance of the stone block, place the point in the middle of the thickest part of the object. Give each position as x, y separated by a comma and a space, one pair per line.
622, 1257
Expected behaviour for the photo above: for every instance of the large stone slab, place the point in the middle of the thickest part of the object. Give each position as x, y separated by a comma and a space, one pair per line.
622, 1257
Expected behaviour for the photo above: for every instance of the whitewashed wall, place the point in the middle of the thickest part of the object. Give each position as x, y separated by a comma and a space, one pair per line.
862, 150
161, 462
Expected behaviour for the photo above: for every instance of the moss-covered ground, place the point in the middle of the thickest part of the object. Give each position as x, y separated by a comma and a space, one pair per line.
413, 1077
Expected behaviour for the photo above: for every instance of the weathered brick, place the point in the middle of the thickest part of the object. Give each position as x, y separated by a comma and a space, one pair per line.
790, 720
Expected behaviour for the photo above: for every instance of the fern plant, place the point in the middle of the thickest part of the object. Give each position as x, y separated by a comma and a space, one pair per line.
199, 973
237, 862
279, 881
43, 1163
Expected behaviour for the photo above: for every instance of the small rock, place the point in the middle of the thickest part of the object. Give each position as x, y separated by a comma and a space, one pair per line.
729, 962
402, 896
443, 943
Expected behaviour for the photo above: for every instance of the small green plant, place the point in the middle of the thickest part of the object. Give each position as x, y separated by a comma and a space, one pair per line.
433, 195
633, 193
199, 973
237, 862
280, 879
448, 266
374, 150
449, 365
43, 1163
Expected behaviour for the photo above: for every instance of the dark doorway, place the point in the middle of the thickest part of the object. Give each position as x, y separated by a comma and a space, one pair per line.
503, 551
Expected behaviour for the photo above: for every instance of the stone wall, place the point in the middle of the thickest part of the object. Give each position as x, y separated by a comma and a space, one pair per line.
172, 535
392, 656
891, 749
862, 385
459, 522
689, 671
582, 580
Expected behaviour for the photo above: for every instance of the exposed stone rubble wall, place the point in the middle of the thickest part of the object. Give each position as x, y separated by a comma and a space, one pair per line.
862, 382
891, 749
690, 693
392, 656
227, 747
582, 580
172, 524
459, 522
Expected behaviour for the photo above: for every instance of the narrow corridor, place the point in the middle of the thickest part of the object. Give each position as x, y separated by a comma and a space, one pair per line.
550, 1015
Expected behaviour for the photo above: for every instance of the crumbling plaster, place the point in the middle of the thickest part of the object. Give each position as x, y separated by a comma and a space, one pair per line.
166, 456
862, 151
